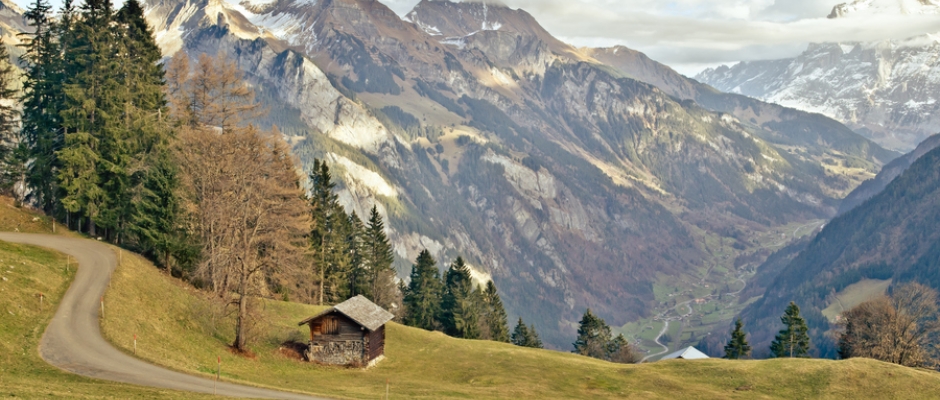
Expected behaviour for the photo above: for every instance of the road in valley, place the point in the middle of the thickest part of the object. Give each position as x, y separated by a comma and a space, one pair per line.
665, 348
73, 340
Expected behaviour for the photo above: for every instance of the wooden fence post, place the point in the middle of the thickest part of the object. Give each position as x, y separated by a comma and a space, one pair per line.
218, 375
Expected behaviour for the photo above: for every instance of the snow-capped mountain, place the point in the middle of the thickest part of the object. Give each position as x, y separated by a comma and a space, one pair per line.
887, 90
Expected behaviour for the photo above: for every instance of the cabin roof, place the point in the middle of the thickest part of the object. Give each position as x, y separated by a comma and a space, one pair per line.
688, 353
360, 310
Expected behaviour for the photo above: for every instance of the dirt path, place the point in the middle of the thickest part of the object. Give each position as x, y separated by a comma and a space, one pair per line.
73, 340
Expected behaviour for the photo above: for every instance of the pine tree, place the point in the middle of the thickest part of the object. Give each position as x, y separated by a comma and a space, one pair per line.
326, 238
147, 168
11, 166
738, 347
793, 340
494, 317
593, 336
43, 99
95, 152
459, 309
356, 274
423, 296
378, 260
532, 338
520, 334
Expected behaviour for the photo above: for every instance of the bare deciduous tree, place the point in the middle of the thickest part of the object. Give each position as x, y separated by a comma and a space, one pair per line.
894, 329
244, 195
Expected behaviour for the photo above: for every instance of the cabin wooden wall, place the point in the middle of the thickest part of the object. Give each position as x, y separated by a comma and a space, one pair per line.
376, 346
338, 340
335, 327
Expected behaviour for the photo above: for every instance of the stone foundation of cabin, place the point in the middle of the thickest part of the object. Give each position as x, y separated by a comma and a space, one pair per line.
337, 353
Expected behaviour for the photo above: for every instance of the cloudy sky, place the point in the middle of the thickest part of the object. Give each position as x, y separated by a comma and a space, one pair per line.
690, 35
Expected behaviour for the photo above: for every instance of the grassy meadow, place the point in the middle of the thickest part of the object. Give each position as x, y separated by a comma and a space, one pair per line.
177, 327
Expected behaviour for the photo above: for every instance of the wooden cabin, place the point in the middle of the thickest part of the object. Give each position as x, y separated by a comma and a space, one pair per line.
349, 333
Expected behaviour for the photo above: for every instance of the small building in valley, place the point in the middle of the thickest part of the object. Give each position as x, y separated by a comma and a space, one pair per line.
688, 353
349, 333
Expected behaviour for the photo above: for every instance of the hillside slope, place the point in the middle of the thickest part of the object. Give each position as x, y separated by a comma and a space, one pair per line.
177, 327
892, 236
872, 187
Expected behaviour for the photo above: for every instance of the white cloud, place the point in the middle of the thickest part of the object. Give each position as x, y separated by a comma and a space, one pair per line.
692, 34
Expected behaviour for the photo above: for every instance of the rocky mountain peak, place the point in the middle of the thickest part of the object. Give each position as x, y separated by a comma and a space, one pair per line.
463, 18
885, 7
454, 21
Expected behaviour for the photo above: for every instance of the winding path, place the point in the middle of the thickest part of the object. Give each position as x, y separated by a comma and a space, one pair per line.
665, 348
73, 340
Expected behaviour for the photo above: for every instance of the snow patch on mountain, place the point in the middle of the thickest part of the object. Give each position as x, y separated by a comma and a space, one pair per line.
860, 8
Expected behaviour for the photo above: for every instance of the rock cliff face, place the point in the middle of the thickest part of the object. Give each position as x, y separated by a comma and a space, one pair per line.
573, 184
885, 90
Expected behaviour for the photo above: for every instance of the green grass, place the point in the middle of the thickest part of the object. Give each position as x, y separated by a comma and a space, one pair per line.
175, 328
23, 374
855, 294
17, 219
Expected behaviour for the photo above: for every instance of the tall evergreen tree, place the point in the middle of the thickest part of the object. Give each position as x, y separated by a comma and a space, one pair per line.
459, 309
147, 170
793, 340
11, 166
96, 149
356, 274
423, 296
737, 347
378, 258
533, 339
326, 238
593, 336
520, 334
494, 316
43, 99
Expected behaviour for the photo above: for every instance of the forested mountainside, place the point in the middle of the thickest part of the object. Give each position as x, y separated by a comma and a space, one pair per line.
569, 182
891, 237
885, 90
873, 186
